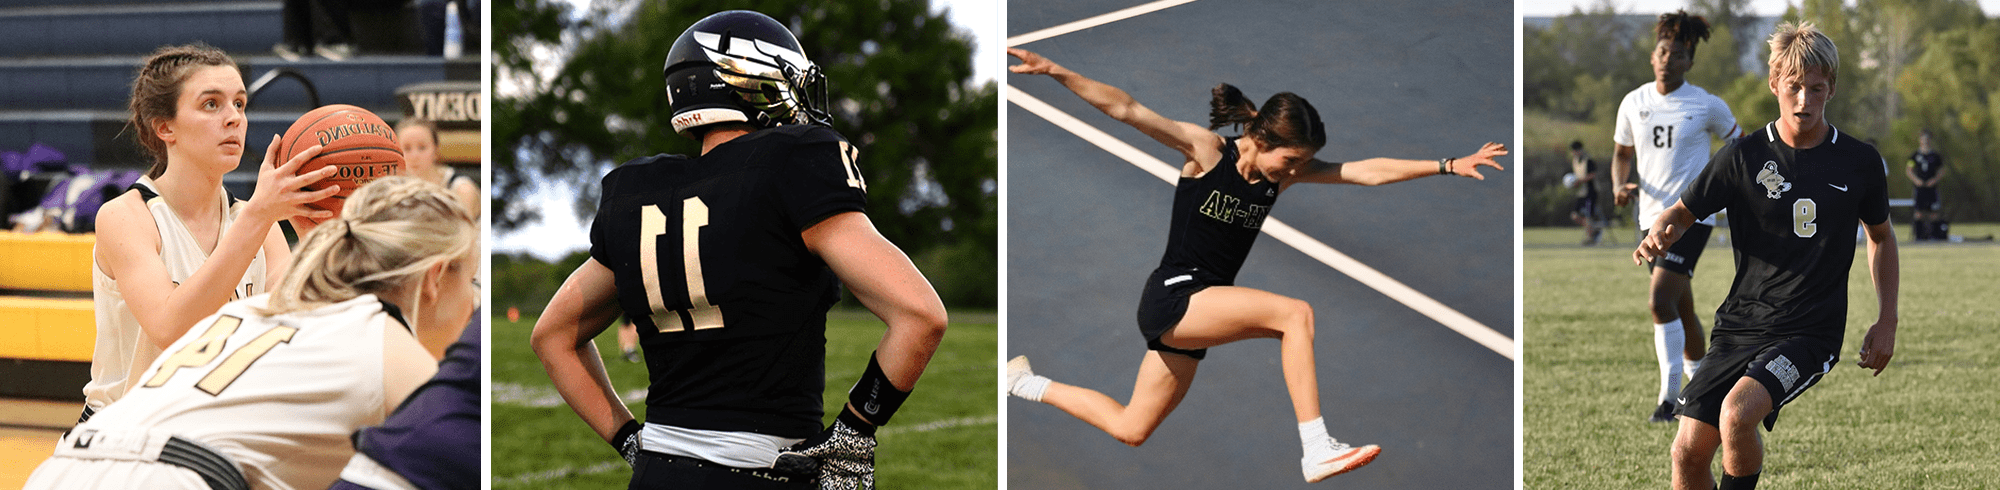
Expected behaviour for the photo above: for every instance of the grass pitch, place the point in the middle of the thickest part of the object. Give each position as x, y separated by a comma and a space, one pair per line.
945, 437
1929, 421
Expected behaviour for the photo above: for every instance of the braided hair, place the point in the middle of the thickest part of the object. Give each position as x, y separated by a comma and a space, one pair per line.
156, 91
388, 235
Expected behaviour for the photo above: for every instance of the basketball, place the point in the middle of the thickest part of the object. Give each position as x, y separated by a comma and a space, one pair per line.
353, 139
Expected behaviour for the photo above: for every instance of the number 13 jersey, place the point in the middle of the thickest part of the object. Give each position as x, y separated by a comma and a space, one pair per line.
1792, 217
1670, 136
711, 268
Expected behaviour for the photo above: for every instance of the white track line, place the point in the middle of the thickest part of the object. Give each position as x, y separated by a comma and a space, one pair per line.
1093, 22
550, 475
1388, 286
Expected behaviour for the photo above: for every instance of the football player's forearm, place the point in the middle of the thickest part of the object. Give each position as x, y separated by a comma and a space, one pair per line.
578, 375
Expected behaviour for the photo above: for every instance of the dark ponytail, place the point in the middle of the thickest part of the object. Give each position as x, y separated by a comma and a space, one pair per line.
1285, 121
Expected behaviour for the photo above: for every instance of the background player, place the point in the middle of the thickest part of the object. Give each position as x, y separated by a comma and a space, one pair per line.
1190, 302
1926, 167
1665, 126
266, 391
1585, 212
175, 247
731, 305
1795, 191
419, 140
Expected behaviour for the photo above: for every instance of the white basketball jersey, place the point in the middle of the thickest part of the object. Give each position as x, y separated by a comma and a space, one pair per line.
122, 350
1671, 135
277, 395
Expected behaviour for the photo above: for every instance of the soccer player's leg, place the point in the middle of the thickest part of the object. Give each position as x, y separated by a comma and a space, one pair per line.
1225, 314
1693, 453
1742, 447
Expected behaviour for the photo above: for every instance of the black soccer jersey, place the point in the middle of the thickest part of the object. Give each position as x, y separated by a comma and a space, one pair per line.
1216, 218
710, 267
1926, 165
1792, 216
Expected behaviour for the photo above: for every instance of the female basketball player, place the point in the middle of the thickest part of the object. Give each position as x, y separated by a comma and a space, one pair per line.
1190, 302
419, 139
175, 247
265, 392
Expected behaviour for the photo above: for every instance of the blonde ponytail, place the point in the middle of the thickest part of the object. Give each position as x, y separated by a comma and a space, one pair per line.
389, 233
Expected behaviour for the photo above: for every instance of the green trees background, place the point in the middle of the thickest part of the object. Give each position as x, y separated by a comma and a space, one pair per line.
1906, 65
578, 92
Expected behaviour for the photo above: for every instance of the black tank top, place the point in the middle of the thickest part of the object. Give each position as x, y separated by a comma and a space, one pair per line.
1216, 218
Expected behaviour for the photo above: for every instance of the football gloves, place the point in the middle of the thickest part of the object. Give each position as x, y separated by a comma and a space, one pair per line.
843, 456
626, 442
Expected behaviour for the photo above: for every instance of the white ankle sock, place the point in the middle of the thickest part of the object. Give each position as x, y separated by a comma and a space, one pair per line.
1313, 439
1668, 339
1030, 387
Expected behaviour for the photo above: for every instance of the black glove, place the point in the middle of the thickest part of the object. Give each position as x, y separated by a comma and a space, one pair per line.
626, 442
843, 455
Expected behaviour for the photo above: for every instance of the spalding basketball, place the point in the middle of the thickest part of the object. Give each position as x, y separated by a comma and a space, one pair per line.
355, 141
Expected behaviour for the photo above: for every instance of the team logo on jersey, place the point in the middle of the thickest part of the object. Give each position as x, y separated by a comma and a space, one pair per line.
1774, 184
1645, 114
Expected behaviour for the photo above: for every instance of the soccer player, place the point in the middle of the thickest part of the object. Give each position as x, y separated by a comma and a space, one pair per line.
1926, 167
1191, 303
1665, 127
265, 392
1584, 212
1795, 192
175, 247
727, 263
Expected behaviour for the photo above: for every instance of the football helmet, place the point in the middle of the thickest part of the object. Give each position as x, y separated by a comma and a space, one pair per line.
742, 66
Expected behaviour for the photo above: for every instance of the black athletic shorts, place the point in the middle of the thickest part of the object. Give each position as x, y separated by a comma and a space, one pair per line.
1786, 368
1927, 199
1585, 207
660, 470
1164, 303
1685, 253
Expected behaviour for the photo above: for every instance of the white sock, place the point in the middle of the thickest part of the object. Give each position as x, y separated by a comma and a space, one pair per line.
1030, 387
1317, 444
1691, 365
1668, 339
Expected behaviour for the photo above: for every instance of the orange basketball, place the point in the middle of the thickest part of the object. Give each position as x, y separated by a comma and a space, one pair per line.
354, 140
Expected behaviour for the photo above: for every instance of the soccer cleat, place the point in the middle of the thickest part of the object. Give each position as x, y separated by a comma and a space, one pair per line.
1344, 459
1665, 413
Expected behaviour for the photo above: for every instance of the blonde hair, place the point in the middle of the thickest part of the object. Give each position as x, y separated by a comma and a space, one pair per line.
157, 89
1796, 48
388, 235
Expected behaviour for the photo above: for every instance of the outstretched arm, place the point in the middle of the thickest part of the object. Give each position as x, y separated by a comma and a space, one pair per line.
1186, 138
1884, 268
1665, 231
1378, 171
586, 304
890, 287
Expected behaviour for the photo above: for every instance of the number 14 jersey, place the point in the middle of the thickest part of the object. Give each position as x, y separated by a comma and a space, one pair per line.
710, 267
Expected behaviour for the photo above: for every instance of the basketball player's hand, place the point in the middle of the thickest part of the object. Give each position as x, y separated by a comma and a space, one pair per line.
281, 190
1031, 63
1878, 347
843, 456
1469, 166
1655, 244
1625, 194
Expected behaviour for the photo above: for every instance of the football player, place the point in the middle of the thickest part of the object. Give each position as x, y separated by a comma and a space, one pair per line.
1795, 191
1665, 126
727, 262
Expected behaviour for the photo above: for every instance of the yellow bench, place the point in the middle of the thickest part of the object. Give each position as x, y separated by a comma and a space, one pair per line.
50, 329
45, 261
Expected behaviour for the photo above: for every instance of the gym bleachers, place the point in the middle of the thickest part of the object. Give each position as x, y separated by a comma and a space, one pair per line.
64, 81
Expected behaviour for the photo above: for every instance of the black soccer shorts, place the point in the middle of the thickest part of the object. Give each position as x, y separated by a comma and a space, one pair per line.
1163, 304
1786, 368
1927, 199
1682, 256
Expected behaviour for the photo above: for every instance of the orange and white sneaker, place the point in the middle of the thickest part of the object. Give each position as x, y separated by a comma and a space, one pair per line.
1345, 459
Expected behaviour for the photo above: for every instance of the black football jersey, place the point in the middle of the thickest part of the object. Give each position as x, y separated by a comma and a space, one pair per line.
1792, 217
1926, 165
710, 267
1215, 220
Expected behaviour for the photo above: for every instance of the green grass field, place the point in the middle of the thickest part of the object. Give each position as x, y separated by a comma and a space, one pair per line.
1929, 421
945, 437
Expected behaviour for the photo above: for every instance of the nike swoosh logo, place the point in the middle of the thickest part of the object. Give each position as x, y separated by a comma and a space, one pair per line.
1842, 188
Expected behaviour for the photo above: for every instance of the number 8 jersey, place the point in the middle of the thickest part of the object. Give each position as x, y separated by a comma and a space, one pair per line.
711, 268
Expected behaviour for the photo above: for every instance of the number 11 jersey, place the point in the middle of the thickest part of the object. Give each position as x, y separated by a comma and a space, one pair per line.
711, 268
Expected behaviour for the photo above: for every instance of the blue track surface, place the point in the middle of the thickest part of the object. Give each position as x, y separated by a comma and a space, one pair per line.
1418, 79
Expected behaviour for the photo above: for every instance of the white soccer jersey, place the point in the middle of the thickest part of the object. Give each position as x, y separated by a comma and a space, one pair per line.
277, 395
1671, 135
122, 352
